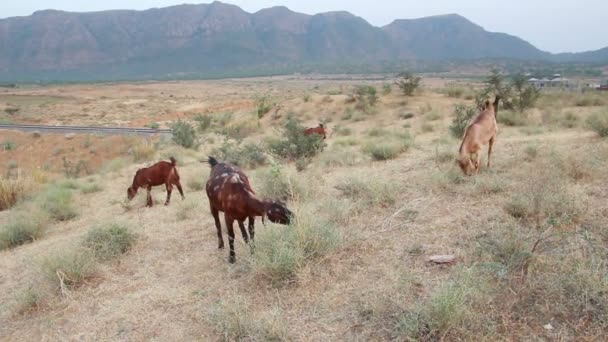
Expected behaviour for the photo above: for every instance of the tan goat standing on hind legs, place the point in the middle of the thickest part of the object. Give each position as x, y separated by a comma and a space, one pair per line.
481, 131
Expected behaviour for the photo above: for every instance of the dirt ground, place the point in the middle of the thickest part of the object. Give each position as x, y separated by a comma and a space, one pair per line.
171, 285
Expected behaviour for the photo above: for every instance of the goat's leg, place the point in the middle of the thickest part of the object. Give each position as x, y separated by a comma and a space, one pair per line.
243, 231
169, 189
149, 201
230, 227
477, 162
251, 227
179, 188
218, 226
491, 144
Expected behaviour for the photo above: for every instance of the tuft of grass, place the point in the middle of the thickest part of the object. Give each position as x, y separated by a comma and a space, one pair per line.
12, 191
275, 182
338, 157
531, 152
187, 209
235, 321
69, 269
90, 188
57, 202
427, 127
588, 100
22, 228
196, 184
368, 192
598, 123
28, 300
389, 147
143, 151
282, 251
109, 241
433, 115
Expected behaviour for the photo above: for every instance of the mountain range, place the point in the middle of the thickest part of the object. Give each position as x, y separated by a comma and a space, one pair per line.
218, 38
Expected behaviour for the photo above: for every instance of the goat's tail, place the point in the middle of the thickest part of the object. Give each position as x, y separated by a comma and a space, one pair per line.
212, 161
173, 161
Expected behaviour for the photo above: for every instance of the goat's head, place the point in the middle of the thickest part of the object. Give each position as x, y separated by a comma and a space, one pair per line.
131, 192
465, 164
277, 212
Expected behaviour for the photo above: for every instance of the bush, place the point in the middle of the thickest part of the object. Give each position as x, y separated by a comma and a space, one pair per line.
152, 125
8, 145
184, 134
588, 100
71, 170
243, 155
598, 122
12, 191
203, 122
57, 202
408, 83
281, 252
366, 96
21, 229
263, 105
512, 118
386, 89
462, 118
294, 144
109, 242
455, 92
524, 95
69, 269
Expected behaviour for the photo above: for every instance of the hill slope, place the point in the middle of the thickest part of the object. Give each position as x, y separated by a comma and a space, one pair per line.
217, 38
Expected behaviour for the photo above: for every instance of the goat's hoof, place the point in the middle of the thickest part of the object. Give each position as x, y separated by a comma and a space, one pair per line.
221, 246
232, 259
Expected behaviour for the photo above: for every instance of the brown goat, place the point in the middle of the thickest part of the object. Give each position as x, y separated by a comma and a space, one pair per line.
229, 191
481, 131
158, 174
316, 130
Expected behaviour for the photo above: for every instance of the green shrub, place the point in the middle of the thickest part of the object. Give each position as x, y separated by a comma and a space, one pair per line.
388, 148
455, 92
71, 170
276, 183
8, 145
242, 154
57, 202
408, 83
203, 122
588, 100
294, 144
263, 105
386, 89
366, 96
598, 122
69, 268
152, 125
462, 118
184, 134
21, 228
143, 151
108, 242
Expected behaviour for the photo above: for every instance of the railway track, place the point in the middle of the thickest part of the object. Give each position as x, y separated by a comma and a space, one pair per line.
84, 129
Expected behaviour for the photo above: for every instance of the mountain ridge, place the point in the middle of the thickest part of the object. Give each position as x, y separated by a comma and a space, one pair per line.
217, 37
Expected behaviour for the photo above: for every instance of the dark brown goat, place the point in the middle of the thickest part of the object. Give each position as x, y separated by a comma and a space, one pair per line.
158, 174
316, 130
229, 191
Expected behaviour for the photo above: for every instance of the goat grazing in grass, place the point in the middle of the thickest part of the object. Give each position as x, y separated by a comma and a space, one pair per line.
158, 174
481, 131
320, 130
229, 191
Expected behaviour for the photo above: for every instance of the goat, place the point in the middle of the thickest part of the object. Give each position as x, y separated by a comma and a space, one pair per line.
481, 131
230, 192
160, 173
316, 130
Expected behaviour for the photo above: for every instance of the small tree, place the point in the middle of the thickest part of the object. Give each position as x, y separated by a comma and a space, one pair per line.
463, 116
366, 95
294, 144
408, 83
526, 95
263, 105
203, 122
183, 134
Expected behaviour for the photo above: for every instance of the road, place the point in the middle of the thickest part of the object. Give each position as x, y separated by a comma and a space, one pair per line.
84, 129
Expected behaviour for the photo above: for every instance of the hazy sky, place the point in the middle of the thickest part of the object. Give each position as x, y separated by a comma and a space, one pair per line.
551, 25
